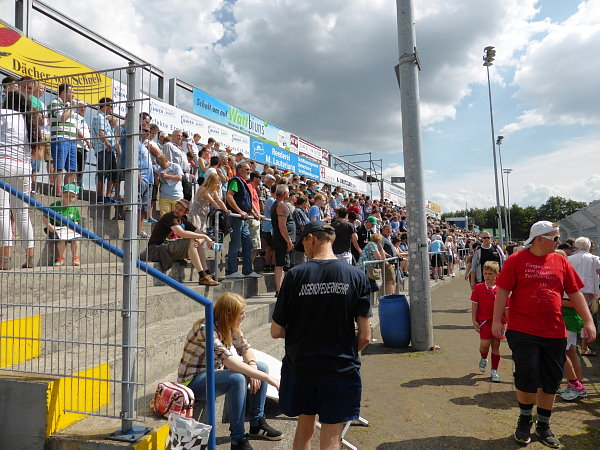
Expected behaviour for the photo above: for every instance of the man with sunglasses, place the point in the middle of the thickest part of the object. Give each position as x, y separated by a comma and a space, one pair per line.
536, 278
487, 251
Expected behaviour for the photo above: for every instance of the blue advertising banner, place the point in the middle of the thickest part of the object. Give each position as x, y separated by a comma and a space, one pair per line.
275, 156
309, 168
223, 113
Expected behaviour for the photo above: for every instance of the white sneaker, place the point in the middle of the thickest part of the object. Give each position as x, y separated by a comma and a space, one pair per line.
495, 376
482, 364
234, 276
253, 275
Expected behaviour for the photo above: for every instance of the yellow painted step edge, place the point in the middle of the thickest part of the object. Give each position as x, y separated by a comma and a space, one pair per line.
85, 391
156, 440
19, 340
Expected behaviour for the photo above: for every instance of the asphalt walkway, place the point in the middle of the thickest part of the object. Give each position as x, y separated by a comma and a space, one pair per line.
430, 400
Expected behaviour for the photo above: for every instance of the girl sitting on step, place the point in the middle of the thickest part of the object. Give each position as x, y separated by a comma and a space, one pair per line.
231, 375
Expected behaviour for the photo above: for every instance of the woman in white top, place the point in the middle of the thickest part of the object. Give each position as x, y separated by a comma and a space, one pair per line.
17, 133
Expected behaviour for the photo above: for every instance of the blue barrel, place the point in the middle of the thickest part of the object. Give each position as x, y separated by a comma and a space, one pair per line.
394, 320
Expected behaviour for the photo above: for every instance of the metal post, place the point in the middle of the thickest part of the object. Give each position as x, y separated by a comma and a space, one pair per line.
418, 286
210, 376
499, 142
217, 252
488, 62
22, 15
130, 248
507, 172
172, 91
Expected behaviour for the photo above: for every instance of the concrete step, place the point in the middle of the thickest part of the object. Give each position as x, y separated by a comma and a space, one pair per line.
78, 435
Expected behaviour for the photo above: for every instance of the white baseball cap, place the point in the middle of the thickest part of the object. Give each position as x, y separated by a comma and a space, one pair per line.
539, 228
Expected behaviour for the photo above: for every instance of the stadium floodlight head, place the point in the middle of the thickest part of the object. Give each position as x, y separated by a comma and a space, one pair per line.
489, 56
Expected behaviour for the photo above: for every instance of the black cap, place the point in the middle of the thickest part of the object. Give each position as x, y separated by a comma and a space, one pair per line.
312, 227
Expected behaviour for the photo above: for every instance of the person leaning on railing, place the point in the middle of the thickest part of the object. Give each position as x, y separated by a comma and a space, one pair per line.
19, 134
373, 251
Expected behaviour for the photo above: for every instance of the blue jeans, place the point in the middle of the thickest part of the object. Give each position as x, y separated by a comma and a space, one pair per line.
240, 238
235, 387
64, 155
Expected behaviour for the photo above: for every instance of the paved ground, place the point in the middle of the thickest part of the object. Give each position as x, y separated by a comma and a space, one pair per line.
431, 400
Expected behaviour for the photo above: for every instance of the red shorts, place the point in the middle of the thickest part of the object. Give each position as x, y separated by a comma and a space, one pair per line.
485, 330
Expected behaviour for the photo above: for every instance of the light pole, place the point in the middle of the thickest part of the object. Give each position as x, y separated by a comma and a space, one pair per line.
507, 172
498, 143
488, 58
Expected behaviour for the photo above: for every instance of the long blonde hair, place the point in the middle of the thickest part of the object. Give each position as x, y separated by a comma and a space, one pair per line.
228, 308
211, 184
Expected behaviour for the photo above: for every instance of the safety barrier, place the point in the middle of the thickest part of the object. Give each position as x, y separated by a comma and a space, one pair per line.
83, 320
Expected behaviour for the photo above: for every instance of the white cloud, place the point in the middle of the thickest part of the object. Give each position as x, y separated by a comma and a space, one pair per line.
555, 73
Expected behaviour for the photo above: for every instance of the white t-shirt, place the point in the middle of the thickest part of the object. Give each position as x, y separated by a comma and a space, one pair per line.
586, 264
13, 136
209, 171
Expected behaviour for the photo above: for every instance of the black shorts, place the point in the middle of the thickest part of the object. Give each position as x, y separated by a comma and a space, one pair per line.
539, 361
268, 237
107, 166
335, 399
437, 260
282, 256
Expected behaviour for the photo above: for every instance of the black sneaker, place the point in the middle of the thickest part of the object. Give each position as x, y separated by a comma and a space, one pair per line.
243, 444
264, 431
523, 431
546, 436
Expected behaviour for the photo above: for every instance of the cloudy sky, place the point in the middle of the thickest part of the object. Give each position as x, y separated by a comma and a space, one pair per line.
324, 71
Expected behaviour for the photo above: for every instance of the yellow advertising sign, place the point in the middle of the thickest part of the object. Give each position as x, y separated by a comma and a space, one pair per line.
434, 207
24, 57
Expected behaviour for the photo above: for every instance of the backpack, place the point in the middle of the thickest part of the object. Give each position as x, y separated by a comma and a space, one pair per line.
172, 397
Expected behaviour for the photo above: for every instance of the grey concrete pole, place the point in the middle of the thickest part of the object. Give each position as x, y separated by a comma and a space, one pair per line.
418, 286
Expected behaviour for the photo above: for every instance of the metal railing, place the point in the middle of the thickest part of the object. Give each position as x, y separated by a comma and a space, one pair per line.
75, 321
381, 262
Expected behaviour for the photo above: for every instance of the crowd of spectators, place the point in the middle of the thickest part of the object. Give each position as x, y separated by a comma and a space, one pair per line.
266, 207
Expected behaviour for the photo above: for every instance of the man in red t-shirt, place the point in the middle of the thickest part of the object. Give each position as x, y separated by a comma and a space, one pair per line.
536, 278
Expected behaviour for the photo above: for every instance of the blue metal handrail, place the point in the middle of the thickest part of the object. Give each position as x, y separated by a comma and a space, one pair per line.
208, 304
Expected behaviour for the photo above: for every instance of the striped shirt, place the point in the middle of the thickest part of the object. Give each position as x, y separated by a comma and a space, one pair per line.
193, 360
100, 123
59, 129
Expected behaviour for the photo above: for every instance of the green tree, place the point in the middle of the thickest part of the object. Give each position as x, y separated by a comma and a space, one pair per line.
557, 208
521, 220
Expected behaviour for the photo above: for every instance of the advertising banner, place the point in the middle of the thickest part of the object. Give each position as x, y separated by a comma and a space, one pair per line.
309, 150
267, 153
169, 118
349, 183
228, 115
309, 168
25, 57
394, 193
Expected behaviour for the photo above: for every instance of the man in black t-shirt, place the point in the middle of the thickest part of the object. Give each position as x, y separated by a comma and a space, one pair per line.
364, 233
284, 232
174, 238
345, 236
318, 307
486, 252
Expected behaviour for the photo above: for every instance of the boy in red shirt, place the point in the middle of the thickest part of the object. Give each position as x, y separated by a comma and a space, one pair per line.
482, 300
